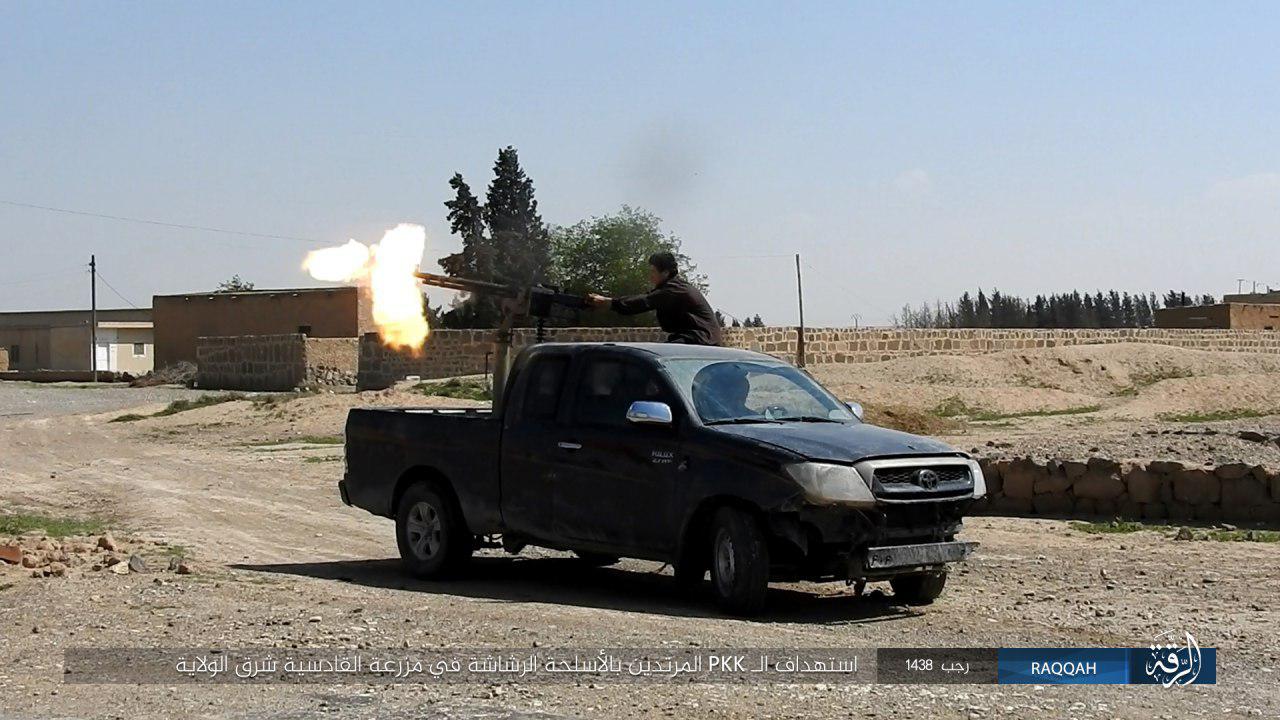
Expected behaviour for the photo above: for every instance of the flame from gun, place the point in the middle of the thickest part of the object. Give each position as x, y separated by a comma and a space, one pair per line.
387, 268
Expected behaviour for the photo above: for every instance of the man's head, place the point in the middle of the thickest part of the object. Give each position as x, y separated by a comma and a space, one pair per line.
662, 267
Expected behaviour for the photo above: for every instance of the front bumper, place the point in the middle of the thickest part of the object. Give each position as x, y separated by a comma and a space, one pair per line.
903, 557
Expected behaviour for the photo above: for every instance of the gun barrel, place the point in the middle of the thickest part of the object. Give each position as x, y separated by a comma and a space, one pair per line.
467, 285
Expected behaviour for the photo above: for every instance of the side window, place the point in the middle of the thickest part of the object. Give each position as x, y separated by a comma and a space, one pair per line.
542, 392
607, 389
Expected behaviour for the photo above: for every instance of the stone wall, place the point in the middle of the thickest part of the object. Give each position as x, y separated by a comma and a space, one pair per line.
251, 362
449, 353
1154, 490
275, 362
463, 352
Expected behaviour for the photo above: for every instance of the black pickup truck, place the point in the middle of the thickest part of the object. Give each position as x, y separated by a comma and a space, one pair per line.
710, 459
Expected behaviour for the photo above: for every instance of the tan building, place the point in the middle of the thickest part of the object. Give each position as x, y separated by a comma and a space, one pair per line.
1226, 315
63, 340
336, 312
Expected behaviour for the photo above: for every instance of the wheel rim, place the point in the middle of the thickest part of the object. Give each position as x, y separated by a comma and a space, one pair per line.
724, 560
424, 530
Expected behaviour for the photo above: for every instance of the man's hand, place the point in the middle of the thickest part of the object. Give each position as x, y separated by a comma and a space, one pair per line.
599, 301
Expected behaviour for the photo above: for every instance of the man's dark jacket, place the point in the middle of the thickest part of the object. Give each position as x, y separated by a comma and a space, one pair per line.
683, 312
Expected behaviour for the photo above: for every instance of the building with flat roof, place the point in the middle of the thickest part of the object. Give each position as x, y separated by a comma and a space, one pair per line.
63, 340
329, 312
1225, 315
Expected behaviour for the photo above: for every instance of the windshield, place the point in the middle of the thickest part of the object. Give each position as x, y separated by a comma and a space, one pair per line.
754, 391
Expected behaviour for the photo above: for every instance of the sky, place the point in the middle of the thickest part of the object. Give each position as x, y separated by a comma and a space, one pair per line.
907, 151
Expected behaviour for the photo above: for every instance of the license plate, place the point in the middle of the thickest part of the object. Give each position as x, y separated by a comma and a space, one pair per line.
894, 556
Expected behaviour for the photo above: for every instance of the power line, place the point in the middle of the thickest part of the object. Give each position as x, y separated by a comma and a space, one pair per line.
161, 223
117, 292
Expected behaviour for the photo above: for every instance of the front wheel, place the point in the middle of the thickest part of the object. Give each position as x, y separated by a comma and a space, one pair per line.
739, 562
919, 588
432, 538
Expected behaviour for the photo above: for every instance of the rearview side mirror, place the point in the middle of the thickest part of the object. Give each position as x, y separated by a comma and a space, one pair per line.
646, 412
856, 409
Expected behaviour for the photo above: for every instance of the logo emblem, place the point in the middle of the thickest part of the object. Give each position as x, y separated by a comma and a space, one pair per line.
927, 479
1170, 663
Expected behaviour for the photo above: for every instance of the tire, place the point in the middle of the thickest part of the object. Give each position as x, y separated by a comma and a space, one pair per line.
689, 575
739, 562
691, 566
596, 559
919, 588
434, 542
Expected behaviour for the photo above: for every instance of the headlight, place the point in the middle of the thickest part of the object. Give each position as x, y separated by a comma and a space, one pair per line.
834, 483
979, 482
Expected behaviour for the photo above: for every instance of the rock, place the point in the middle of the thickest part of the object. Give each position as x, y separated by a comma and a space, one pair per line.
1232, 471
1275, 487
185, 567
174, 562
119, 568
34, 560
11, 554
57, 569
1184, 533
1166, 467
1052, 481
1143, 485
108, 543
1154, 511
137, 564
1197, 487
1073, 468
1054, 505
1103, 465
1242, 493
1252, 436
1099, 485
1020, 478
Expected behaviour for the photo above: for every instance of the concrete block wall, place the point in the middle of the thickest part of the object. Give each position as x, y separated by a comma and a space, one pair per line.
275, 362
462, 352
251, 362
1154, 490
449, 353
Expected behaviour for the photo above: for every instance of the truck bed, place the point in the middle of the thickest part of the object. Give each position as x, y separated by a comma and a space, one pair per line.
384, 446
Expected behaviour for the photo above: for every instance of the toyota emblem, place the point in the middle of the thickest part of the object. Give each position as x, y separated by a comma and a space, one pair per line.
927, 479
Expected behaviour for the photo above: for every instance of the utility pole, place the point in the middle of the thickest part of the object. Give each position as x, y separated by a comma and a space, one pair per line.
800, 299
1239, 285
93, 315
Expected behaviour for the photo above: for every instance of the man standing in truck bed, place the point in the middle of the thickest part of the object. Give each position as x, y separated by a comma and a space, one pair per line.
683, 313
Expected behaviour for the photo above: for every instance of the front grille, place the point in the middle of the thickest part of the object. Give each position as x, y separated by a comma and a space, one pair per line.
922, 482
943, 474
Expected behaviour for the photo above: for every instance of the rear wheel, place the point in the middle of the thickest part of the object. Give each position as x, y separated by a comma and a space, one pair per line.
433, 540
596, 559
739, 562
919, 588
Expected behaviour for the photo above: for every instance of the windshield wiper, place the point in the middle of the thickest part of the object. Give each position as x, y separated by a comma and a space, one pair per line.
744, 421
808, 418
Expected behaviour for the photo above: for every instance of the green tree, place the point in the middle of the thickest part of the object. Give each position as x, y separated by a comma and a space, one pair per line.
503, 240
234, 285
610, 255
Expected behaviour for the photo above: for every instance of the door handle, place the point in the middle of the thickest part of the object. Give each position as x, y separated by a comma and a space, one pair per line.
563, 445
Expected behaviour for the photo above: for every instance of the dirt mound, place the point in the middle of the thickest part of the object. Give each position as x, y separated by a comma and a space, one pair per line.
1128, 379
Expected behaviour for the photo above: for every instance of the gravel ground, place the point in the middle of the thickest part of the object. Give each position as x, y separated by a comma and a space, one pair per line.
43, 400
247, 492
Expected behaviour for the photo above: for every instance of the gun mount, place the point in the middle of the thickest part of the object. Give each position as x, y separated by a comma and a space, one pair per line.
539, 302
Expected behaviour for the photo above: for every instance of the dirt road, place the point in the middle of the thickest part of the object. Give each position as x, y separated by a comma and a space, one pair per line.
246, 492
